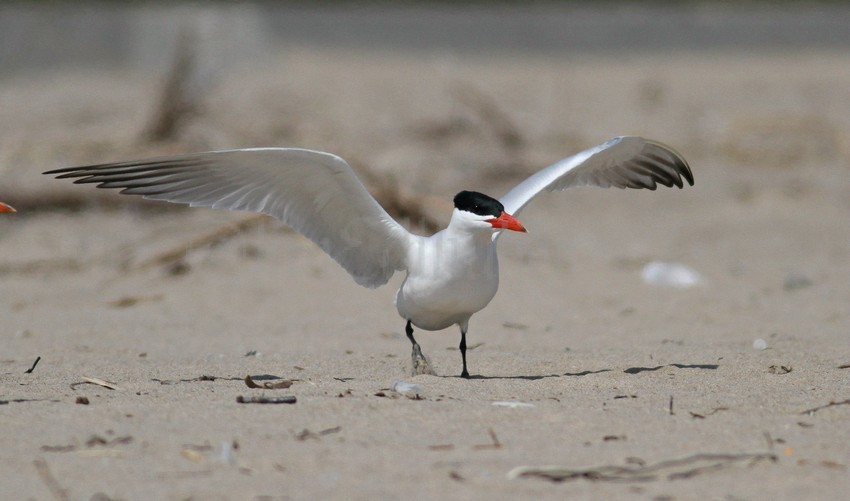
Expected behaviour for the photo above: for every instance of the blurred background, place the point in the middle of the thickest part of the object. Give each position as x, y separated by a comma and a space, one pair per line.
436, 92
424, 99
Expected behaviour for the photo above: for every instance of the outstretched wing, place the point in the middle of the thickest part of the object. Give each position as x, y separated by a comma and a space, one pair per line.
623, 162
316, 193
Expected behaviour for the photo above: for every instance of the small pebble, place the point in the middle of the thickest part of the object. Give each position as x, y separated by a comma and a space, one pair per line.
759, 344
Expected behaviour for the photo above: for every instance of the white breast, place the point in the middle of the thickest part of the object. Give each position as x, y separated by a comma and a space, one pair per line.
451, 275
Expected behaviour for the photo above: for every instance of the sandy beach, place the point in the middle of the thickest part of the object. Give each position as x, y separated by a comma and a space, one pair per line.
588, 382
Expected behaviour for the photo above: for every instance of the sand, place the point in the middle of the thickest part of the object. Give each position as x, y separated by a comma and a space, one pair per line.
632, 390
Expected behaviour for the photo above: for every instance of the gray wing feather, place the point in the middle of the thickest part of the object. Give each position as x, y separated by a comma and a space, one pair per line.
622, 162
316, 193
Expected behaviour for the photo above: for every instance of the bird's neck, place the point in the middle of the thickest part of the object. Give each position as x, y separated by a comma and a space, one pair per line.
474, 237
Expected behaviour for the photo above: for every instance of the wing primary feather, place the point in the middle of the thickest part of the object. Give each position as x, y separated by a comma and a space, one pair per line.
623, 162
316, 193
122, 167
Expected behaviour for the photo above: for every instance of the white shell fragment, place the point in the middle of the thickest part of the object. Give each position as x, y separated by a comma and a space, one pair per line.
513, 404
759, 344
676, 275
409, 390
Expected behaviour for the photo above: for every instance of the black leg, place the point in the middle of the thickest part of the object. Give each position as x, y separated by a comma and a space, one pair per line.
420, 363
409, 330
464, 373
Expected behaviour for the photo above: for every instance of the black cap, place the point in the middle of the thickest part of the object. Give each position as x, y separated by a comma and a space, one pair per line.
478, 203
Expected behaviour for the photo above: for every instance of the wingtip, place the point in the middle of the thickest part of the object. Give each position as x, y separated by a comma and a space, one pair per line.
682, 166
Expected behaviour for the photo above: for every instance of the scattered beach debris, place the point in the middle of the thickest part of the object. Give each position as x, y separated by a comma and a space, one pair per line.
307, 434
53, 485
204, 377
58, 448
796, 281
676, 275
494, 444
177, 268
512, 404
96, 381
709, 413
769, 439
181, 96
491, 116
613, 438
128, 301
671, 469
91, 442
269, 385
32, 368
82, 401
779, 369
289, 399
177, 254
192, 455
514, 325
760, 344
670, 407
409, 390
96, 440
832, 403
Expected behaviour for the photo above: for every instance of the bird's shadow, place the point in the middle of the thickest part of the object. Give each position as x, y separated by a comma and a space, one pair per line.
630, 370
527, 378
638, 370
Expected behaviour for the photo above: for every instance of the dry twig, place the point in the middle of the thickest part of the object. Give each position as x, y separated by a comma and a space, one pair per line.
97, 381
178, 98
277, 385
266, 400
811, 411
492, 116
29, 371
59, 493
671, 469
214, 237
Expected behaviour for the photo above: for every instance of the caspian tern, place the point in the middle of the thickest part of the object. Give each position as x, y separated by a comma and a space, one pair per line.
6, 208
450, 275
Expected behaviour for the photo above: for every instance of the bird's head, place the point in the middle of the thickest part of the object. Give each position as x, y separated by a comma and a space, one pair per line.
477, 210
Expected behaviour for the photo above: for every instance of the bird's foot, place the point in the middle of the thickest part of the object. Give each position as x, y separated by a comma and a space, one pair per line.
421, 365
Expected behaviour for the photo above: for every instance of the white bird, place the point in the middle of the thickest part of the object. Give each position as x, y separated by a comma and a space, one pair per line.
450, 275
6, 208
